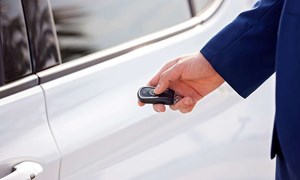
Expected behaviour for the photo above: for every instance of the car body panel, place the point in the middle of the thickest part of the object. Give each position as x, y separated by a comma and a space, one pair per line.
25, 134
102, 133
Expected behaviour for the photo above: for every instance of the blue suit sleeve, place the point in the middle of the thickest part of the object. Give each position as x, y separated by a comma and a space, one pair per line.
244, 52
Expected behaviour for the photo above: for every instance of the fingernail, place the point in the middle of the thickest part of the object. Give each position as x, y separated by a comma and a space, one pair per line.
157, 110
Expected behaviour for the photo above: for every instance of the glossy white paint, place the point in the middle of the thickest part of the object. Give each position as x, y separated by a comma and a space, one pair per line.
227, 138
103, 134
25, 134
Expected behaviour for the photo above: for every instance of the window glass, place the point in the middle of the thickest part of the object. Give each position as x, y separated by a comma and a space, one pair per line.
14, 46
1, 70
200, 4
41, 34
87, 26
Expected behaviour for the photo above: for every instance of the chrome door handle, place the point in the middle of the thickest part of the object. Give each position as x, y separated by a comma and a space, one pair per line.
24, 171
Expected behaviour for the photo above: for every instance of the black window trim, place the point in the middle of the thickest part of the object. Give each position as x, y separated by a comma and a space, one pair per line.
19, 85
95, 58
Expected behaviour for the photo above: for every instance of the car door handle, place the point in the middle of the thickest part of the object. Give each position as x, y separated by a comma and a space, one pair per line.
24, 171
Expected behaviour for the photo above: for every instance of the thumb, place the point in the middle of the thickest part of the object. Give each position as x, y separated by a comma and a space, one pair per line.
170, 75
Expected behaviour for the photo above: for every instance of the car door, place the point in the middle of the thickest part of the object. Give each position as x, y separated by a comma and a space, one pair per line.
27, 147
91, 99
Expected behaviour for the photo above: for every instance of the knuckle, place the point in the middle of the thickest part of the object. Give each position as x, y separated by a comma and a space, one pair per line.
163, 77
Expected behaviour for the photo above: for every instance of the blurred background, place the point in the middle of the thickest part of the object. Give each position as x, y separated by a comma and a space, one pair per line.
84, 27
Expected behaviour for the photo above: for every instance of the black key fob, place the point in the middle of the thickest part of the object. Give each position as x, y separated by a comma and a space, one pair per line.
147, 96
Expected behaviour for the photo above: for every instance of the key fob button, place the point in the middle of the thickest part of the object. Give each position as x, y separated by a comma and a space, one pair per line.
151, 91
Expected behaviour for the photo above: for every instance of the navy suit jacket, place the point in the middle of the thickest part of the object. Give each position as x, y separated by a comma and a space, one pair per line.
245, 53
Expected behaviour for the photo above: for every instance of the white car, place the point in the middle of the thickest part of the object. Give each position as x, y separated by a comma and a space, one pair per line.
70, 71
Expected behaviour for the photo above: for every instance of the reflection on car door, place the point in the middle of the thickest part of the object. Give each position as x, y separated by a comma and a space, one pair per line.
25, 135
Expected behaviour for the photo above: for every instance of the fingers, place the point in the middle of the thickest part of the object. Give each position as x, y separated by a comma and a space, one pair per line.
159, 107
185, 105
170, 75
154, 81
140, 103
156, 107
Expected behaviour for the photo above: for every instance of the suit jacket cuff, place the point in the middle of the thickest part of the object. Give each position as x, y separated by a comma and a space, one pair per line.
243, 53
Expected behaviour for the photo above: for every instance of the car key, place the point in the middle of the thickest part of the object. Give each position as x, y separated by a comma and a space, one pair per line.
147, 96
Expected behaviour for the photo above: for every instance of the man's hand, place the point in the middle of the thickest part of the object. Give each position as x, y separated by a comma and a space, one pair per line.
191, 76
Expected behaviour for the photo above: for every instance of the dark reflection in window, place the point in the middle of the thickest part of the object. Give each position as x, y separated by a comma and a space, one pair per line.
1, 66
42, 37
14, 45
87, 26
73, 41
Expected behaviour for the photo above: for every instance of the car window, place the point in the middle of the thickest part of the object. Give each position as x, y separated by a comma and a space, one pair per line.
1, 70
84, 27
1, 63
200, 4
41, 34
15, 56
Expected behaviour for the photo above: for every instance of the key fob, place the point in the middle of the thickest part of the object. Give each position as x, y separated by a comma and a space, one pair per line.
147, 96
